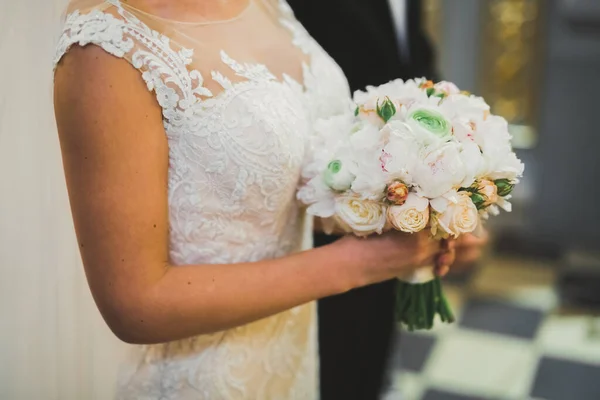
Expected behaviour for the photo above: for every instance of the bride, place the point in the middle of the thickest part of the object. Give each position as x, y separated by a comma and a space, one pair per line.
183, 129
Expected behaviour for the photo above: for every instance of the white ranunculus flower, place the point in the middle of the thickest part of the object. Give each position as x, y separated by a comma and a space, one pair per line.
458, 217
362, 217
439, 171
330, 135
429, 125
410, 217
337, 175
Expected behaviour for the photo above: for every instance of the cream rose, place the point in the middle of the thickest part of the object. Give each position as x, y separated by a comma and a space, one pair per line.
410, 217
458, 216
489, 191
362, 217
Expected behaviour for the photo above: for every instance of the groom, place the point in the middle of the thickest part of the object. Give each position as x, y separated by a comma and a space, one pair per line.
373, 41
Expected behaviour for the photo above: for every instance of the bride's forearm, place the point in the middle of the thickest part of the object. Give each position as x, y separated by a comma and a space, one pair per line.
196, 299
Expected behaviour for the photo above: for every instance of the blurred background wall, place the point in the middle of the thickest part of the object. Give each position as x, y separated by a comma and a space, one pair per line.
53, 343
537, 63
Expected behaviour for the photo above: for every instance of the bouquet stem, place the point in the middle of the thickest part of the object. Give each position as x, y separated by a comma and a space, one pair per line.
419, 300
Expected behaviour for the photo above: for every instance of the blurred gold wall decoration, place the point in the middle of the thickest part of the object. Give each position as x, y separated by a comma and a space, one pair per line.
508, 56
432, 21
510, 63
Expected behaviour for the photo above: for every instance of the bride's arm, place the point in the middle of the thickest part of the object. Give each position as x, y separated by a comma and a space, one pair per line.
115, 157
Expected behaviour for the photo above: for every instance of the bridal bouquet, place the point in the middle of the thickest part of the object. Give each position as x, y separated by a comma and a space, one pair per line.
411, 155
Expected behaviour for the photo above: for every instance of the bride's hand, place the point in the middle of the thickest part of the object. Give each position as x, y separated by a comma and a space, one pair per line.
392, 254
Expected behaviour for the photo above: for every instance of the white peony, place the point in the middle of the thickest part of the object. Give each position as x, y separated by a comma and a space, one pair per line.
463, 106
402, 151
318, 196
446, 87
401, 93
366, 137
410, 217
473, 162
494, 139
362, 217
368, 99
464, 130
455, 215
370, 177
503, 166
439, 171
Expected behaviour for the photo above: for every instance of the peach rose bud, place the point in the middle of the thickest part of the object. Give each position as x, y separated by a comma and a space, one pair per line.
397, 193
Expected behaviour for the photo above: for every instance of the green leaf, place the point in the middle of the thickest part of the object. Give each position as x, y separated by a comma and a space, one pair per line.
356, 111
430, 91
386, 110
441, 95
478, 200
504, 187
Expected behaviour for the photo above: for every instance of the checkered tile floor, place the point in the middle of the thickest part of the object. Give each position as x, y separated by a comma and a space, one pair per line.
511, 342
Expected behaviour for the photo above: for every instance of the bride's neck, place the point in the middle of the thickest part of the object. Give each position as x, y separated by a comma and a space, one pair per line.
190, 10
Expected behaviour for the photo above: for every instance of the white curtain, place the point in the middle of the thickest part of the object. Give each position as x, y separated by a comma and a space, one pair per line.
53, 343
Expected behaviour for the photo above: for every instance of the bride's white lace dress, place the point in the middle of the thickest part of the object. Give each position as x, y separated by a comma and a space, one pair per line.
238, 97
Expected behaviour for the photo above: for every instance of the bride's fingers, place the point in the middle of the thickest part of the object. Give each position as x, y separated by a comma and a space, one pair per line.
442, 271
445, 258
448, 244
443, 262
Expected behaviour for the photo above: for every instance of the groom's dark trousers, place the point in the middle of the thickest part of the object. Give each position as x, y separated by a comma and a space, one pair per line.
356, 329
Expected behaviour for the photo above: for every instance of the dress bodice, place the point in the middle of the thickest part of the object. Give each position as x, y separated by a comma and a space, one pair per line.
238, 98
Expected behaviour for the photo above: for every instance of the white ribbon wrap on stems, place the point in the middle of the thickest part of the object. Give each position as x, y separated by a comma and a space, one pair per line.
418, 276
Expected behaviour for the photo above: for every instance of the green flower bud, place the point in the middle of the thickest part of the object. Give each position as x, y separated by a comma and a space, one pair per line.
386, 109
504, 187
479, 200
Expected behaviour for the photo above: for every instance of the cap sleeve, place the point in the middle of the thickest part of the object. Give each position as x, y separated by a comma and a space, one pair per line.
163, 65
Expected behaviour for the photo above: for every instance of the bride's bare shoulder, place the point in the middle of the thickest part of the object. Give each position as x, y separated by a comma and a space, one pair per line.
89, 79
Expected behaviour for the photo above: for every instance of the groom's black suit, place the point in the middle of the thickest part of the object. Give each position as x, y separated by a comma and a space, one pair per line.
356, 328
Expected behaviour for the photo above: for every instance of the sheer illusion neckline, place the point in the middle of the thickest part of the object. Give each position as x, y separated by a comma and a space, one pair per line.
234, 18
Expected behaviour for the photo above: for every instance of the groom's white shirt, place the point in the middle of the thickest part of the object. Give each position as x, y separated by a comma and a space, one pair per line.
399, 16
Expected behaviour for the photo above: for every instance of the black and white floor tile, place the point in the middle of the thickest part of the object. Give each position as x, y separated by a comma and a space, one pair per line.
510, 342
